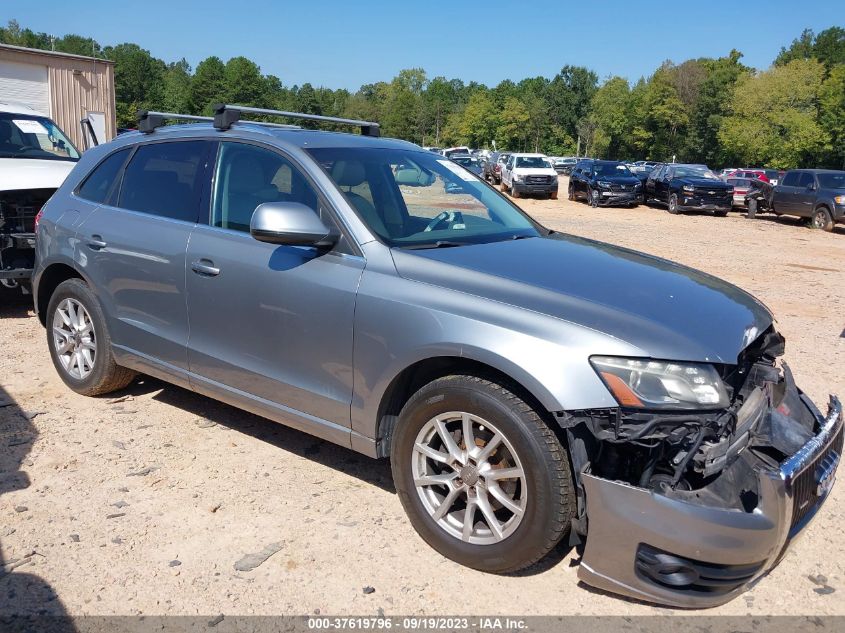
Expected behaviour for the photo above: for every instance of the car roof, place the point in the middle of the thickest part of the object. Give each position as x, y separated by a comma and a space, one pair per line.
297, 137
528, 155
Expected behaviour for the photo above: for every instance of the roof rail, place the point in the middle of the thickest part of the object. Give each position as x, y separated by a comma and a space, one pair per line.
148, 120
225, 115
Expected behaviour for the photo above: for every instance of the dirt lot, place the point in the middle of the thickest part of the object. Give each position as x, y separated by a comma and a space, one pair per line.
144, 503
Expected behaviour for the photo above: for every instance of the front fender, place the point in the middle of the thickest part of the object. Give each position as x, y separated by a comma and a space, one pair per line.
399, 322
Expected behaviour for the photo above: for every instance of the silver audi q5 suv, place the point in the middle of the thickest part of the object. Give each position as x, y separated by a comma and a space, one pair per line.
526, 385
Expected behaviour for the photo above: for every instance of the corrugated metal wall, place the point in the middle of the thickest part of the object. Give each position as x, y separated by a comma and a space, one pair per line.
77, 85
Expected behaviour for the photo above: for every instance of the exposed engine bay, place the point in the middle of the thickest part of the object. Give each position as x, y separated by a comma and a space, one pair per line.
694, 454
17, 233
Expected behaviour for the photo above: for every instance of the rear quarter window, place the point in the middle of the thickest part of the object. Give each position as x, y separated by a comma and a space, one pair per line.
100, 183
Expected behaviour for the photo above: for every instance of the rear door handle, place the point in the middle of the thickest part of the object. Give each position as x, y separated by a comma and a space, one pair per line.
205, 267
96, 243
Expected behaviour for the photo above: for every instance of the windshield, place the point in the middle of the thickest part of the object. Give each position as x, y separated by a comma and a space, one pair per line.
739, 182
532, 161
414, 199
694, 171
832, 181
466, 161
611, 169
32, 136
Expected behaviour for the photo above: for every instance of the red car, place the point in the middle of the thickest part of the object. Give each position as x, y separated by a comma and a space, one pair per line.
751, 173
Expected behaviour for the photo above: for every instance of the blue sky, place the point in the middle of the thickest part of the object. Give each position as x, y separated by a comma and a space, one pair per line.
346, 44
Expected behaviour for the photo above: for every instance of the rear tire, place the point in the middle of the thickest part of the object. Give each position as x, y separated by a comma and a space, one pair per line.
571, 193
79, 342
532, 507
821, 220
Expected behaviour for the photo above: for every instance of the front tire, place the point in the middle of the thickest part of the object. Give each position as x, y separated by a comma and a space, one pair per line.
79, 342
514, 192
594, 198
821, 220
482, 478
553, 195
673, 204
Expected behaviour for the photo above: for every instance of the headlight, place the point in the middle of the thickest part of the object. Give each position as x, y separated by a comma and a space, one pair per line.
604, 184
638, 185
840, 199
651, 384
517, 178
688, 188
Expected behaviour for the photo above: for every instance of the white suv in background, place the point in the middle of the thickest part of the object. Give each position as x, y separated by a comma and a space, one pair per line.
529, 173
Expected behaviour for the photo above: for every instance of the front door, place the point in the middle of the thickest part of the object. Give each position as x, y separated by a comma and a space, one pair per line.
270, 325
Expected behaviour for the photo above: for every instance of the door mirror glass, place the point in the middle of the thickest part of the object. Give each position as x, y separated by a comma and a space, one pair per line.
290, 223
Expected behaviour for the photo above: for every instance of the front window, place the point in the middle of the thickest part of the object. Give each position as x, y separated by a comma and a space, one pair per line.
832, 181
694, 171
33, 136
610, 169
532, 161
416, 200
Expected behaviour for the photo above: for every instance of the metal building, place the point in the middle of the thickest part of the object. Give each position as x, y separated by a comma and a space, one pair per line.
64, 87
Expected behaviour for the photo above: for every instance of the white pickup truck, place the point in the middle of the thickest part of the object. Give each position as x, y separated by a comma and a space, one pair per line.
529, 173
35, 159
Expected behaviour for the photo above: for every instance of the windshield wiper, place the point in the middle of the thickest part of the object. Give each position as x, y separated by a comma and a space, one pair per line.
437, 244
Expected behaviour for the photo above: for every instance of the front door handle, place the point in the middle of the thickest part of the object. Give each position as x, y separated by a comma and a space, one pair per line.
205, 267
96, 243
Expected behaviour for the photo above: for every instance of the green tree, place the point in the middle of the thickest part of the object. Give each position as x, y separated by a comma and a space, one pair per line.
243, 83
176, 88
828, 47
208, 85
137, 81
832, 115
609, 113
478, 121
513, 125
774, 116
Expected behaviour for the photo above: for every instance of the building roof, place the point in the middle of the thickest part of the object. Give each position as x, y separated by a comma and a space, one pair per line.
14, 107
38, 51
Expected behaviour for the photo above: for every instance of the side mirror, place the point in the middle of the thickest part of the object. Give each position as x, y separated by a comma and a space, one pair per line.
291, 224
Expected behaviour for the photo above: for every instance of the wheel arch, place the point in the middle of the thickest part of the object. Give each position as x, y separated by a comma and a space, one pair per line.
48, 281
420, 373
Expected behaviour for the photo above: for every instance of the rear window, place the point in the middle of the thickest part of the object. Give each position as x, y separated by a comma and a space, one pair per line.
100, 182
165, 179
832, 181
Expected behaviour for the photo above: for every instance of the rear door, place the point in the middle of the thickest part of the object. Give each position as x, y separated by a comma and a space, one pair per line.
270, 325
134, 249
783, 197
804, 198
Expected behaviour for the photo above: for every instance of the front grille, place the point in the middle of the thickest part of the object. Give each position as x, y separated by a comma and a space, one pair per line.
685, 574
716, 197
805, 485
538, 180
621, 188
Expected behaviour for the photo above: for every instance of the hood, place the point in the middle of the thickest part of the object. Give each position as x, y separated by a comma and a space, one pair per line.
33, 173
620, 180
704, 182
666, 310
534, 171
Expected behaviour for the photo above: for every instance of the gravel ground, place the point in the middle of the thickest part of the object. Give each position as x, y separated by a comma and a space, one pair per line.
159, 501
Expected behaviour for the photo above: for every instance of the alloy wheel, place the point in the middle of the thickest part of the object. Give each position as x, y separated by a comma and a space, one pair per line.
74, 338
469, 478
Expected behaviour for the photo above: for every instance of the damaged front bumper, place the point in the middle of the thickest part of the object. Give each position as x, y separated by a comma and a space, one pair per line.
702, 547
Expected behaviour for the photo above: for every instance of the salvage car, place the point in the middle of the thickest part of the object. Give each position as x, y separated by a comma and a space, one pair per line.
527, 385
525, 173
815, 194
35, 158
603, 183
689, 188
468, 162
741, 188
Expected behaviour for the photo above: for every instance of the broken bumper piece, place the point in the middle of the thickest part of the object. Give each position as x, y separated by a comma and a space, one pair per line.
690, 550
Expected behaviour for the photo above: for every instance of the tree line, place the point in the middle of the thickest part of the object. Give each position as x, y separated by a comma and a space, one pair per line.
714, 111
